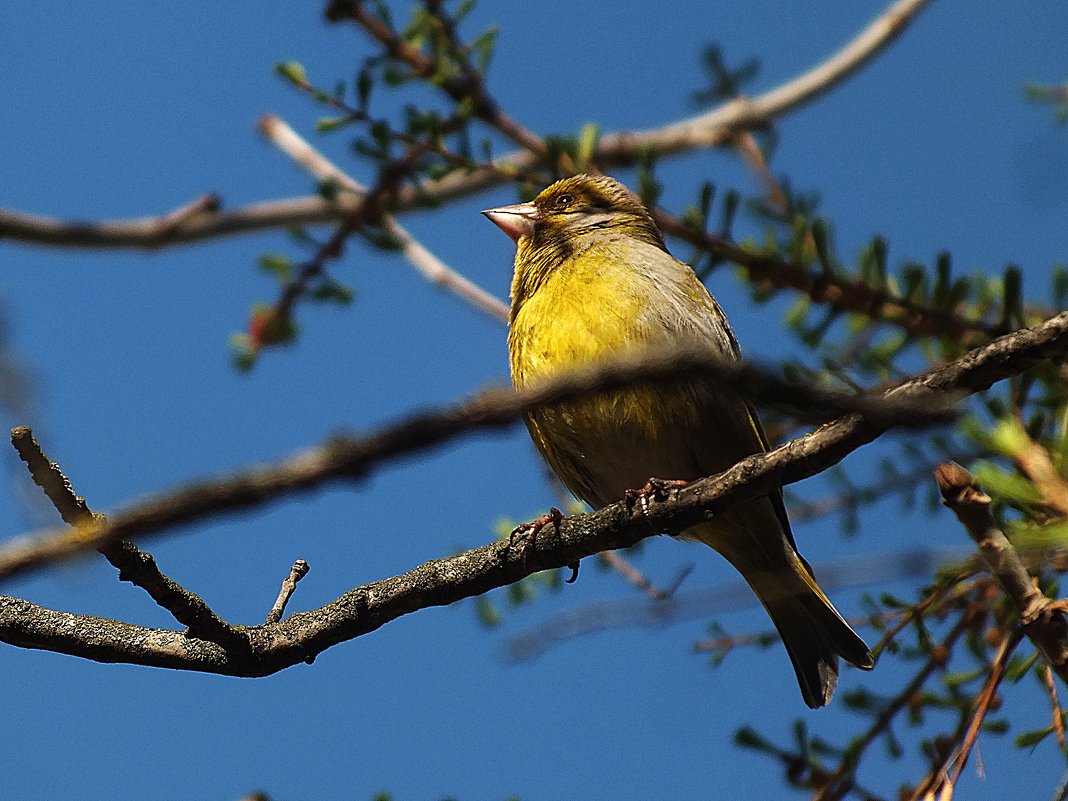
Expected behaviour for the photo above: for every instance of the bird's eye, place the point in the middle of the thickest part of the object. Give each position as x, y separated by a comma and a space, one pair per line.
563, 201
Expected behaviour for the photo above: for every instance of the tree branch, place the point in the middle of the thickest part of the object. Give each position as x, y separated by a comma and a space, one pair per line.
1043, 619
716, 127
839, 292
134, 565
351, 458
426, 263
613, 150
275, 646
289, 585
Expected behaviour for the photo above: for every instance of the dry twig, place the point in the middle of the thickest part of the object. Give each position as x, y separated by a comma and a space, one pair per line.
1043, 620
134, 565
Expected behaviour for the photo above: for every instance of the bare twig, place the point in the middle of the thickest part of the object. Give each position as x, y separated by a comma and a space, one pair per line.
637, 578
854, 497
429, 266
289, 585
1043, 620
837, 785
947, 776
1055, 706
134, 565
713, 127
900, 618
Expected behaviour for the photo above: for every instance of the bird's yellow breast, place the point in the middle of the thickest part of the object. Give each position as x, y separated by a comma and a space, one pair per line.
595, 306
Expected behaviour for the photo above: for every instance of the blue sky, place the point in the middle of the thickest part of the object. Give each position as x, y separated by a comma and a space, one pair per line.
118, 109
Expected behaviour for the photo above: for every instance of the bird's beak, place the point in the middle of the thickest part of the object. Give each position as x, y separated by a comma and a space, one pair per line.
516, 221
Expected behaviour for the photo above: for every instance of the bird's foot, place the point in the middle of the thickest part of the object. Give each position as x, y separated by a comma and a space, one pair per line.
656, 488
528, 532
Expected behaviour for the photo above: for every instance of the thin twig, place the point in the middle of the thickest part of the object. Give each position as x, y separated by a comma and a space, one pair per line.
837, 784
134, 565
282, 136
468, 84
900, 618
838, 292
1055, 706
948, 775
729, 596
289, 585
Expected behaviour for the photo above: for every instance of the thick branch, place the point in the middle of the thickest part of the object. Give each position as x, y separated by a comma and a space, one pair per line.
275, 646
613, 150
350, 458
1043, 620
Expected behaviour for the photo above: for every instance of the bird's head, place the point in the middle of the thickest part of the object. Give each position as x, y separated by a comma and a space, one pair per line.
574, 207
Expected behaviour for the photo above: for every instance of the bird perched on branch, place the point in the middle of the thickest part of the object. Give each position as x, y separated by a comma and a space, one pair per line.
594, 279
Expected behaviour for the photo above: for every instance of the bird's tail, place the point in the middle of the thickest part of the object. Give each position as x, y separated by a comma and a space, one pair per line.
814, 634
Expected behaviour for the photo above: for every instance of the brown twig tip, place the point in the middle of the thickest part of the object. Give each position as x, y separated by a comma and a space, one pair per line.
289, 585
265, 123
1042, 618
957, 486
47, 475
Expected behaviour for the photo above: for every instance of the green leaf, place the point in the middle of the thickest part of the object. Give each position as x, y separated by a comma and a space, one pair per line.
649, 188
488, 614
960, 678
1006, 487
1029, 739
731, 201
331, 124
943, 269
915, 277
798, 313
292, 71
587, 143
277, 264
1018, 667
1012, 313
333, 292
748, 737
1008, 437
1027, 535
820, 236
482, 47
996, 726
364, 84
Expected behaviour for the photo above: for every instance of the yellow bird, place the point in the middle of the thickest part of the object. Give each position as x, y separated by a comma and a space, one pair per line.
593, 278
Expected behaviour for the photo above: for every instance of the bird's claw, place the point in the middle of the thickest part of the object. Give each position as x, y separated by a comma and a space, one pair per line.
656, 488
528, 532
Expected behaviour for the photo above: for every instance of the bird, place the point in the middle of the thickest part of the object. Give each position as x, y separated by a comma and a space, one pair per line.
593, 280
